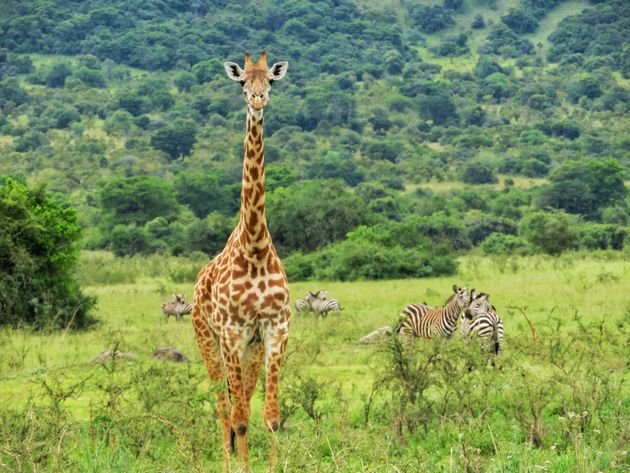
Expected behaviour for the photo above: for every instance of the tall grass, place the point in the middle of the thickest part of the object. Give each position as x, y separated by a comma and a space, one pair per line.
557, 399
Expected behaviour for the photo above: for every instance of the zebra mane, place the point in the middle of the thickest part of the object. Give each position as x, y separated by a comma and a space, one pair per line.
448, 301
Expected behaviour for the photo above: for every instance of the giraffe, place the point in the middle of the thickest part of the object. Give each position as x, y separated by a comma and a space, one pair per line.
241, 307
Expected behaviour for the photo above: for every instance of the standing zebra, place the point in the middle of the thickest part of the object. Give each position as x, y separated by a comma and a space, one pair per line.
306, 305
321, 305
481, 319
176, 307
427, 322
317, 302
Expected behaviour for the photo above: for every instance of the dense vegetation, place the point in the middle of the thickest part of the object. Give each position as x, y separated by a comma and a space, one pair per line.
124, 108
556, 399
38, 257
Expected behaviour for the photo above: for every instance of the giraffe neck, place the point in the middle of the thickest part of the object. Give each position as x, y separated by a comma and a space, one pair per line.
254, 235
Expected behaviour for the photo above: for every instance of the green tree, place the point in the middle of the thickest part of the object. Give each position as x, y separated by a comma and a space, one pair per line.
312, 214
585, 187
38, 254
184, 81
136, 200
57, 74
207, 192
551, 232
477, 172
177, 139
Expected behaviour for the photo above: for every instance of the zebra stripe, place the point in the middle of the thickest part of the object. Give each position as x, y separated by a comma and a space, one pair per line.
481, 320
302, 306
323, 306
422, 321
176, 307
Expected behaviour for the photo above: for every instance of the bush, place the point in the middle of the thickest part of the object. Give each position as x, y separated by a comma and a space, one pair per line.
520, 21
177, 139
38, 255
552, 232
478, 173
480, 225
501, 244
127, 240
358, 258
598, 236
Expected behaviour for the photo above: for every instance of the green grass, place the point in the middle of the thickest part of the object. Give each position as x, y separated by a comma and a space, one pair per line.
548, 24
593, 286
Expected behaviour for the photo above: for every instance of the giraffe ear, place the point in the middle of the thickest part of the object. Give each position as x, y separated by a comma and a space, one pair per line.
233, 70
279, 70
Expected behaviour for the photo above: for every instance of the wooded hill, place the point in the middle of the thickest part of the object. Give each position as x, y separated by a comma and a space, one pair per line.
404, 134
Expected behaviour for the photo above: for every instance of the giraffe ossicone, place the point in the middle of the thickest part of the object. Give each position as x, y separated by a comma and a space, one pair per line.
241, 309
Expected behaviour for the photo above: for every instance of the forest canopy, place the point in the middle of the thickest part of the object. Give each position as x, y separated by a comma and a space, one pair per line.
466, 121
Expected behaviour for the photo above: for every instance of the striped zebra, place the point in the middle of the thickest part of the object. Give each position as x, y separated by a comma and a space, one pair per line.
321, 305
318, 303
176, 307
302, 305
481, 320
422, 321
305, 305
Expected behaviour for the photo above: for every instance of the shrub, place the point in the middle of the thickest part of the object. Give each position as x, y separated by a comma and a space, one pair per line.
552, 232
501, 244
177, 139
38, 254
598, 236
475, 172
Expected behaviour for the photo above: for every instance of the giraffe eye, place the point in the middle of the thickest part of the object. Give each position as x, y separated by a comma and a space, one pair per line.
242, 82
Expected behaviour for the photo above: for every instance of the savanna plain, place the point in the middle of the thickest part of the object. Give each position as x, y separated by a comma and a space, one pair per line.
556, 399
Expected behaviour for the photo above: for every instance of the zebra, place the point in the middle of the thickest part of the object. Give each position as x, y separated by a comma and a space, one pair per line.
422, 321
176, 307
321, 305
481, 319
317, 302
304, 305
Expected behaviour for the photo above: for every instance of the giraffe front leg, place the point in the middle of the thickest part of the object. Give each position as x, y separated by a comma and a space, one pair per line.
275, 343
210, 351
239, 416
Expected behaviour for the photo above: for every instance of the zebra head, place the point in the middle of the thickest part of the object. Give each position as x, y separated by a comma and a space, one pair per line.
478, 305
322, 295
310, 297
462, 295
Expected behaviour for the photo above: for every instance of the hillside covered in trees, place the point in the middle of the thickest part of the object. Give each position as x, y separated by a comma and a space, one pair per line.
405, 133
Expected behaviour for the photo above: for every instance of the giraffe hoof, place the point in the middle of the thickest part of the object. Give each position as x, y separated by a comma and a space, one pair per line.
274, 426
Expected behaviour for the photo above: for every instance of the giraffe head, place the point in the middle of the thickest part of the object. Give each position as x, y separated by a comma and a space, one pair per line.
256, 79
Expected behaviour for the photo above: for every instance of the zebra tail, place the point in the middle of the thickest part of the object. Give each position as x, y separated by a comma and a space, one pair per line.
495, 337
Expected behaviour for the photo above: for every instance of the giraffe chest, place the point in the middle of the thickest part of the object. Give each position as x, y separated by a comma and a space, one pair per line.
249, 292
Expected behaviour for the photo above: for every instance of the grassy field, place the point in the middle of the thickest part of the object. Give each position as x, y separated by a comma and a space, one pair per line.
342, 400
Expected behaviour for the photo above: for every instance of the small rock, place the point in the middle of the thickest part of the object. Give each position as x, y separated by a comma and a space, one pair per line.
377, 335
169, 353
107, 354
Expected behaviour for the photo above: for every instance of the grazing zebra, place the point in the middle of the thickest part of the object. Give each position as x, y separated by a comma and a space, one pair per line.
305, 305
426, 322
481, 319
176, 307
302, 305
322, 305
317, 302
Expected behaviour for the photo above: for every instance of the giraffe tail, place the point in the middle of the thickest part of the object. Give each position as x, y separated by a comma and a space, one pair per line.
232, 433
